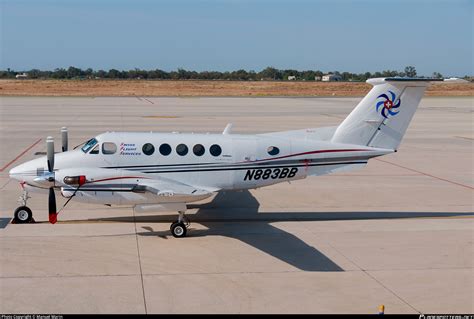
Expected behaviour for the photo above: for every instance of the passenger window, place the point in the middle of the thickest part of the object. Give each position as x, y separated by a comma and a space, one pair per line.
215, 150
182, 149
95, 150
109, 148
273, 150
148, 149
198, 150
165, 149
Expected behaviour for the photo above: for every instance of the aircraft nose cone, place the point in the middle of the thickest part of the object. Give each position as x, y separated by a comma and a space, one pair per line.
26, 172
13, 171
16, 173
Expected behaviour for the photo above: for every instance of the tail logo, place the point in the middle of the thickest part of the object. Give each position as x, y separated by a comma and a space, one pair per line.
387, 106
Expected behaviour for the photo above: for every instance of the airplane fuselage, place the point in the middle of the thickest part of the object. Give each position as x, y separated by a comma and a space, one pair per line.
119, 161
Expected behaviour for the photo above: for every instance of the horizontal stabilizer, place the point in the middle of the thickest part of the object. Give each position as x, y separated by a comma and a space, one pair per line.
376, 81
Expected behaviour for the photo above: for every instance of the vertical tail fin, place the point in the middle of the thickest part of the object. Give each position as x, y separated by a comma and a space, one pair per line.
382, 117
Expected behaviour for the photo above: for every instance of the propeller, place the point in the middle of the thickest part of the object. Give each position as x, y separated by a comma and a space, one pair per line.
64, 138
50, 177
53, 214
50, 153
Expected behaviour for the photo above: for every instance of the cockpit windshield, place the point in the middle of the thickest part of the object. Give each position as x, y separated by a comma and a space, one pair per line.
89, 144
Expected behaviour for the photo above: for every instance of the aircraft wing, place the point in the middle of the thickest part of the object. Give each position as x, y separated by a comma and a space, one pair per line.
172, 190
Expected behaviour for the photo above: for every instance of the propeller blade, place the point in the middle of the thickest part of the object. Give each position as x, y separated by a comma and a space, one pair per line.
53, 215
50, 153
64, 138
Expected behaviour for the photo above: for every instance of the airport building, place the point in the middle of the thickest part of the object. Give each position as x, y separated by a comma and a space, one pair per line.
331, 78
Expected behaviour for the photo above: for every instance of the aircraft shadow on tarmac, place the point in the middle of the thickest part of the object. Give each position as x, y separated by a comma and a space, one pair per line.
260, 234
221, 217
4, 222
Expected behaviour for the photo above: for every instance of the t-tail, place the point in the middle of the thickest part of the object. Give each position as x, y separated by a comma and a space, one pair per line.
382, 117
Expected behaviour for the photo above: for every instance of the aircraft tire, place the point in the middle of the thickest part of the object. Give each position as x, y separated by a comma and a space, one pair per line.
23, 215
178, 229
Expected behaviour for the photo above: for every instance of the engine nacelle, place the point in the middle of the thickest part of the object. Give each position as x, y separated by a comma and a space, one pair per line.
75, 180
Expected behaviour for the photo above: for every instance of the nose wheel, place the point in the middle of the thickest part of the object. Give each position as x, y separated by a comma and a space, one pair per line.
179, 227
23, 215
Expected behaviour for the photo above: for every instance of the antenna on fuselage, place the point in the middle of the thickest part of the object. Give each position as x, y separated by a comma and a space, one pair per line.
227, 129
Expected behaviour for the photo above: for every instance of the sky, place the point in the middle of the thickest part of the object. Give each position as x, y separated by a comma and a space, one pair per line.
227, 35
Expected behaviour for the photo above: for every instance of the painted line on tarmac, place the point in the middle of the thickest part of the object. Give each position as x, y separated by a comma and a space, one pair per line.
148, 100
465, 138
20, 155
144, 98
426, 174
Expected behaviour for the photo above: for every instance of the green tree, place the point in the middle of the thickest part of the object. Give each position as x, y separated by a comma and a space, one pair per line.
101, 74
89, 73
73, 72
114, 74
346, 76
308, 75
410, 71
59, 74
158, 74
34, 74
239, 75
270, 73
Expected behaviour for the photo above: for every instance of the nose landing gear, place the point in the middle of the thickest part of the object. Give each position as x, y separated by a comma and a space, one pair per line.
23, 214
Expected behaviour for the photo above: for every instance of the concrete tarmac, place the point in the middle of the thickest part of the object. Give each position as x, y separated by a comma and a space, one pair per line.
399, 232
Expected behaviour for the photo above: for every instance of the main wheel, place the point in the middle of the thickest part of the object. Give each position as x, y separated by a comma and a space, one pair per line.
23, 215
178, 229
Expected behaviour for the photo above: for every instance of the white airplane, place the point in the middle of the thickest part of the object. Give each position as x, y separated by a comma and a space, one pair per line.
164, 171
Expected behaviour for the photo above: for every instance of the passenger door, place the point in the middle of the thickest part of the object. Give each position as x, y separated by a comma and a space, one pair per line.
244, 150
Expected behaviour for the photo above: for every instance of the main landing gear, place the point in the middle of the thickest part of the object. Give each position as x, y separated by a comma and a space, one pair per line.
23, 214
179, 227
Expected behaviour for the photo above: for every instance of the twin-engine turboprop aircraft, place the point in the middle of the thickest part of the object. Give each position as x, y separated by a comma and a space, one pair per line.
160, 171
